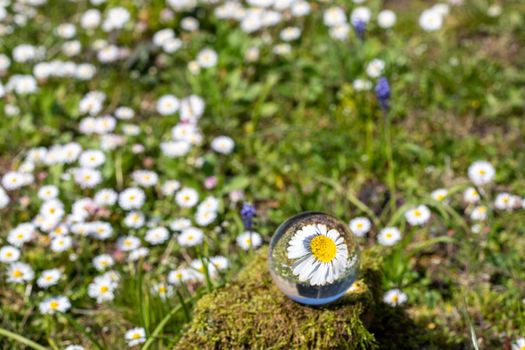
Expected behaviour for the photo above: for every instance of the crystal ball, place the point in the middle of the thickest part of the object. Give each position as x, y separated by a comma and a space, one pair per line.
313, 258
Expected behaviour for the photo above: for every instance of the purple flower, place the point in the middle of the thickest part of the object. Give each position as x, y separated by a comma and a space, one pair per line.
360, 28
247, 213
383, 93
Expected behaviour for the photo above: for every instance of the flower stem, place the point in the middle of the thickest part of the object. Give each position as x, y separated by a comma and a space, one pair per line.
391, 179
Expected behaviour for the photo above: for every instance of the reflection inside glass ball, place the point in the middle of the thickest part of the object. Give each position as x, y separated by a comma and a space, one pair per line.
314, 258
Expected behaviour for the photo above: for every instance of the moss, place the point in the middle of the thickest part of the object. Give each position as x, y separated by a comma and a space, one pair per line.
251, 313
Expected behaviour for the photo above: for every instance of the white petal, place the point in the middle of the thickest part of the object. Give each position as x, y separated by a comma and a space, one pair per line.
333, 234
321, 229
300, 265
296, 252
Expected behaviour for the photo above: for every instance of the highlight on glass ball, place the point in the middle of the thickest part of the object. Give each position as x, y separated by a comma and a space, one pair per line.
314, 258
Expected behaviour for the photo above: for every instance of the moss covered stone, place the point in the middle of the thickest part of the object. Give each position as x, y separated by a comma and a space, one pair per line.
251, 313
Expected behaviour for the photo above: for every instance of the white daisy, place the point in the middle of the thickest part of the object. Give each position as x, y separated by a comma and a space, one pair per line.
101, 230
200, 269
163, 290
386, 19
138, 253
48, 278
334, 16
124, 113
135, 336
87, 177
48, 192
187, 197
439, 195
181, 275
190, 237
389, 236
504, 201
175, 149
145, 178
418, 215
180, 224
102, 289
103, 261
205, 217
210, 203
105, 197
223, 144
395, 297
471, 195
320, 254
481, 172
207, 58
249, 240
92, 159
131, 198
61, 244
360, 226
134, 219
157, 235
362, 84
54, 304
167, 105
220, 262
375, 68
128, 243
9, 254
170, 187
431, 20
21, 234
19, 272
479, 213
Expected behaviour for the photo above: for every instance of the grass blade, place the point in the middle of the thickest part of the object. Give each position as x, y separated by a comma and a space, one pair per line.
160, 327
22, 340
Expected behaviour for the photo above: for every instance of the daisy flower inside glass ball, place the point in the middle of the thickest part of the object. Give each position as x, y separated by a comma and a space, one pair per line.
314, 258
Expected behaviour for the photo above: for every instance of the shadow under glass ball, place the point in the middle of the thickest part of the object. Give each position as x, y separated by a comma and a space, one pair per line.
313, 258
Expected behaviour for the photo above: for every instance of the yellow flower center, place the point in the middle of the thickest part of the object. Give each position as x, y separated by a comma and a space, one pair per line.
53, 305
323, 248
395, 298
359, 225
104, 289
482, 172
9, 254
417, 213
136, 336
17, 273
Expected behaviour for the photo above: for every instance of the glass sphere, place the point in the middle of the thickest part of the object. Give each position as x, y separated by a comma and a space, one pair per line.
314, 258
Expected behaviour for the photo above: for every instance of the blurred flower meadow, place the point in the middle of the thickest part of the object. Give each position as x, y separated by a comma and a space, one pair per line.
148, 149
